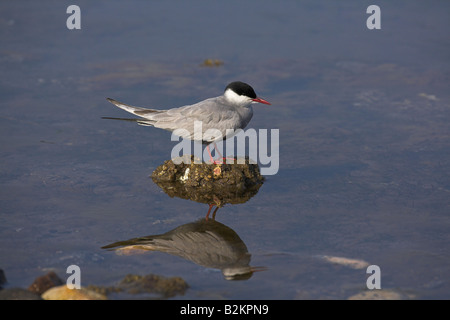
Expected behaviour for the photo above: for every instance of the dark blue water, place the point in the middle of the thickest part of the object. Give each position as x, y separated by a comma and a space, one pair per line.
364, 141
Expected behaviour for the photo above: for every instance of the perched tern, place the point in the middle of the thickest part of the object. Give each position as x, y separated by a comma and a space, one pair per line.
232, 110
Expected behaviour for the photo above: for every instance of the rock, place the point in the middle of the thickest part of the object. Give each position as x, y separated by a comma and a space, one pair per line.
351, 263
379, 295
212, 63
45, 282
18, 294
151, 283
2, 278
216, 184
64, 293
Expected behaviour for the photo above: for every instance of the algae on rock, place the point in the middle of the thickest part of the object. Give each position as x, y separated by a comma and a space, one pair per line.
209, 183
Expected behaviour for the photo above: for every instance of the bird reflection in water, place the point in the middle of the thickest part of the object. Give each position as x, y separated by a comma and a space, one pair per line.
214, 212
207, 243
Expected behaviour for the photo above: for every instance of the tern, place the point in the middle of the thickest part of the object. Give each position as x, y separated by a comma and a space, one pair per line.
230, 111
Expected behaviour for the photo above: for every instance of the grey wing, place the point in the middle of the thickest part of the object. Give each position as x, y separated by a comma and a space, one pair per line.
210, 116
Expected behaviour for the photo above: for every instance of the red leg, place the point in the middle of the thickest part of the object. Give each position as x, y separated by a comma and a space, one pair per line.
217, 150
221, 156
209, 211
210, 156
214, 213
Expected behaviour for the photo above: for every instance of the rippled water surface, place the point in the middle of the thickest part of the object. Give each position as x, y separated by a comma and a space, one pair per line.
363, 117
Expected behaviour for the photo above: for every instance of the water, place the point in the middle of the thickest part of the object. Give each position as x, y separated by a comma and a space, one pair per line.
363, 119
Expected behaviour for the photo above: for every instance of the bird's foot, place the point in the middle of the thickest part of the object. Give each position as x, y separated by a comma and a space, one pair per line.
224, 160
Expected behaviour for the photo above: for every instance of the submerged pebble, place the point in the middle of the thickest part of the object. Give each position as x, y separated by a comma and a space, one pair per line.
2, 278
18, 294
151, 284
212, 63
351, 263
379, 295
45, 282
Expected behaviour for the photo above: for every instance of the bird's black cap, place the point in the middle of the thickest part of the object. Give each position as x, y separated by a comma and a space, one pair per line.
242, 89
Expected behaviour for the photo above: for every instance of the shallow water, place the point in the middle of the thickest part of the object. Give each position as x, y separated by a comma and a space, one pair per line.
364, 141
